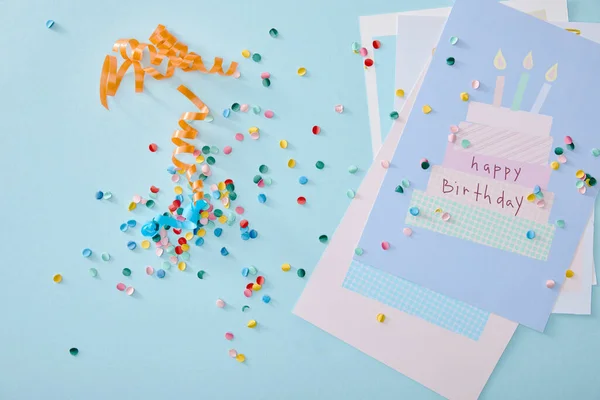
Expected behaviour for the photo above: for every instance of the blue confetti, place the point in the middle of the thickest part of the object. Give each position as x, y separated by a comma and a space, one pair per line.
218, 232
124, 227
303, 180
245, 272
266, 299
99, 195
132, 223
226, 112
262, 198
253, 234
224, 251
199, 241
161, 273
131, 245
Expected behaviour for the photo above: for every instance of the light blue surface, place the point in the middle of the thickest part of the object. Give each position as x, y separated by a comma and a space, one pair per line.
58, 146
447, 313
456, 267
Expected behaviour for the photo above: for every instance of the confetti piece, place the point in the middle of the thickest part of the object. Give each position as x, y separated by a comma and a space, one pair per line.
129, 291
400, 92
554, 165
153, 147
229, 336
368, 62
530, 234
105, 257
256, 287
414, 211
224, 251
450, 60
251, 324
562, 159
320, 164
200, 274
240, 358
107, 195
339, 108
424, 164
359, 251
301, 200
301, 273
363, 52
323, 238
86, 253
239, 137
291, 163
93, 272
57, 278
73, 351
244, 308
464, 96
120, 287
465, 143
256, 57
385, 245
352, 169
301, 71
405, 183
273, 32
380, 317
376, 44
399, 189
407, 232
550, 284
265, 75
262, 198
394, 115
49, 24
99, 195
161, 273
385, 164
266, 82
568, 140
269, 114
149, 270
475, 84
227, 150
316, 130
266, 299
453, 40
286, 267
350, 193
569, 273
595, 152
283, 144
220, 303
355, 46
248, 293
131, 245
126, 272
246, 53
426, 109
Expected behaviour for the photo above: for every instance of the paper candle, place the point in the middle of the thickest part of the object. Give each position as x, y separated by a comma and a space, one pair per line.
500, 64
551, 76
527, 64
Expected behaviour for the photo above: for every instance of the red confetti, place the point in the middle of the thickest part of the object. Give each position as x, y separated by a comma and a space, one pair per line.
244, 223
368, 62
260, 280
154, 189
249, 286
376, 44
176, 203
228, 181
153, 147
172, 208
178, 250
176, 231
301, 200
182, 240
316, 130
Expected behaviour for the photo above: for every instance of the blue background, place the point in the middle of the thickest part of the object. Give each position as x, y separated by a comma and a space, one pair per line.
455, 267
58, 146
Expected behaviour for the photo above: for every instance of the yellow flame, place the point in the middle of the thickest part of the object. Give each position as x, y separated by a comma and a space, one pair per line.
552, 73
528, 61
499, 61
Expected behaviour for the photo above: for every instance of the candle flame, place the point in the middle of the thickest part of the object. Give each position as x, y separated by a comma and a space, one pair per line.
499, 61
528, 61
552, 73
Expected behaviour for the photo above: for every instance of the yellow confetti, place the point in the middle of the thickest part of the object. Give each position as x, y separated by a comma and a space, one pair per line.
554, 165
531, 197
253, 129
178, 189
251, 324
222, 219
283, 144
201, 232
57, 278
464, 96
246, 53
400, 92
256, 287
291, 163
132, 206
569, 273
240, 358
380, 317
204, 214
145, 244
200, 159
286, 267
579, 174
182, 265
185, 247
301, 71
426, 109
188, 236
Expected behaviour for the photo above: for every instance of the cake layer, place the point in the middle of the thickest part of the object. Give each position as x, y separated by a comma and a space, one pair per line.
499, 169
504, 198
481, 226
500, 117
504, 143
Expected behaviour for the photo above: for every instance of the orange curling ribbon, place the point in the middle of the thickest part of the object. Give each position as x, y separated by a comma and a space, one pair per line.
164, 45
187, 132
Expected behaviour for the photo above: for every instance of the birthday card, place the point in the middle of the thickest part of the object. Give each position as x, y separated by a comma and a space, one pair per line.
494, 178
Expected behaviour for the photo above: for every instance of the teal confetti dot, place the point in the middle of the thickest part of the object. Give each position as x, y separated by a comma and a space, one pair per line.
256, 110
86, 253
126, 272
394, 115
405, 183
355, 46
266, 82
414, 211
358, 251
320, 164
93, 272
450, 60
560, 223
352, 169
273, 32
256, 57
399, 189
263, 169
350, 193
453, 40
105, 257
465, 143
49, 24
200, 274
595, 152
530, 234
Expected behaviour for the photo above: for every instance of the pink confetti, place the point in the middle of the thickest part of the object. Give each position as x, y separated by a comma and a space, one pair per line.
239, 210
143, 201
227, 149
568, 140
582, 190
232, 353
475, 84
269, 114
541, 203
453, 128
407, 231
255, 135
562, 159
220, 303
247, 292
120, 287
445, 217
164, 241
212, 217
130, 290
137, 198
452, 138
173, 259
229, 336
204, 221
159, 252
363, 52
265, 75
175, 178
244, 107
149, 270
237, 75
213, 187
239, 137
339, 108
205, 168
385, 245
196, 153
385, 164
261, 183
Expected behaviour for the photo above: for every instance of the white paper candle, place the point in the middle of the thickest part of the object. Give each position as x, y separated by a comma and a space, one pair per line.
551, 76
500, 64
